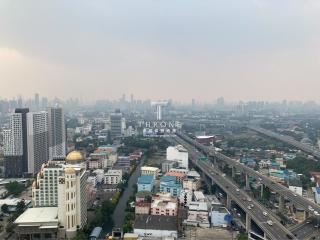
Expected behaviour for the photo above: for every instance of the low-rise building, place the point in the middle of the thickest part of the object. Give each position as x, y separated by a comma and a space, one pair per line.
38, 223
191, 184
151, 226
167, 165
199, 196
220, 217
179, 154
164, 204
145, 183
179, 176
154, 171
13, 202
169, 184
142, 207
198, 214
113, 176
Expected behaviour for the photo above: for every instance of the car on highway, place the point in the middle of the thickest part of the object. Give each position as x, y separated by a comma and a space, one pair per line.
238, 214
311, 208
249, 207
289, 236
249, 199
270, 223
237, 190
265, 213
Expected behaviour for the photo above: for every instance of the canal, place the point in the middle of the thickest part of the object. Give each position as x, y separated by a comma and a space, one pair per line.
119, 212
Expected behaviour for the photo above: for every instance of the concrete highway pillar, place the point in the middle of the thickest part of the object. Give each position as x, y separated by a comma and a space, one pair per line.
281, 203
214, 161
265, 236
261, 191
233, 172
247, 182
228, 201
248, 222
306, 215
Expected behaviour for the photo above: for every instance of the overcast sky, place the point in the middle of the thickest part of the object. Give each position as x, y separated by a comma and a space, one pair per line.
160, 49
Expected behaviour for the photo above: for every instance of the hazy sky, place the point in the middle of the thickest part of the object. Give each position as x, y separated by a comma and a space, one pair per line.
159, 49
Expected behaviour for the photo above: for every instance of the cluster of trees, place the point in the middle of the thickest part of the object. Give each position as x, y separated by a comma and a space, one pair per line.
21, 206
256, 142
103, 217
15, 188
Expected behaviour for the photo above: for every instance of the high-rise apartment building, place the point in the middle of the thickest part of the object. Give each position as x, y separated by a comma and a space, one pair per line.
13, 146
117, 124
62, 185
45, 187
37, 137
57, 133
72, 200
23, 112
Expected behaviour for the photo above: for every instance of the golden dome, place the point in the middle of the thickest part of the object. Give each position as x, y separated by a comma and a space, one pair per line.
70, 170
75, 156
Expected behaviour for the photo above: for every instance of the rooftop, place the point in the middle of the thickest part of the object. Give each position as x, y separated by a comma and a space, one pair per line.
198, 206
168, 223
176, 174
168, 179
145, 179
168, 205
38, 216
147, 168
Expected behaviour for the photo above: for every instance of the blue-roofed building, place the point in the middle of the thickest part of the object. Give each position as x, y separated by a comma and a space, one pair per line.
96, 234
145, 183
169, 184
316, 191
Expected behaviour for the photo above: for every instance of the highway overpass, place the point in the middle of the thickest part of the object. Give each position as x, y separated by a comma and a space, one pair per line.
240, 197
287, 139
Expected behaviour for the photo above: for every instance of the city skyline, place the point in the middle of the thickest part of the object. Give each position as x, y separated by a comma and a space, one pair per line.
159, 50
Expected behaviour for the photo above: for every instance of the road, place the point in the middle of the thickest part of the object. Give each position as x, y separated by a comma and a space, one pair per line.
285, 192
119, 212
277, 231
287, 139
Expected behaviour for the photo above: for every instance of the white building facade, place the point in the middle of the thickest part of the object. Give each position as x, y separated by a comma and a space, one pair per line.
178, 154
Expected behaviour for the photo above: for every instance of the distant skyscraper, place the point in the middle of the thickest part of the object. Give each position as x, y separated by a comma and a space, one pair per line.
57, 133
13, 147
44, 103
38, 147
116, 124
23, 112
19, 102
36, 102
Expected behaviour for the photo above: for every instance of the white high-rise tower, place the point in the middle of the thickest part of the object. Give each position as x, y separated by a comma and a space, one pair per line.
57, 133
37, 136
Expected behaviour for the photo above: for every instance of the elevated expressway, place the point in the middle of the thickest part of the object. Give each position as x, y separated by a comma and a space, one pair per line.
275, 232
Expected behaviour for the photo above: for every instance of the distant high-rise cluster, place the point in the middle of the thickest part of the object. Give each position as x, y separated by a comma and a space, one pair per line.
32, 139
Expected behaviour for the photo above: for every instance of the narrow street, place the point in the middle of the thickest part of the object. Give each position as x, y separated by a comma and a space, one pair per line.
119, 212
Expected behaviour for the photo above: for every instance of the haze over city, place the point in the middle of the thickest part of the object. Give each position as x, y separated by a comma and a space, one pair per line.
242, 50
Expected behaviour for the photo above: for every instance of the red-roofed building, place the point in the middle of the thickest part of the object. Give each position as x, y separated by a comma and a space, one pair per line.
179, 175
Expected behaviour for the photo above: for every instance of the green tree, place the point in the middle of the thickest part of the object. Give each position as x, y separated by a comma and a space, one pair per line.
21, 206
9, 227
5, 208
242, 237
14, 188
